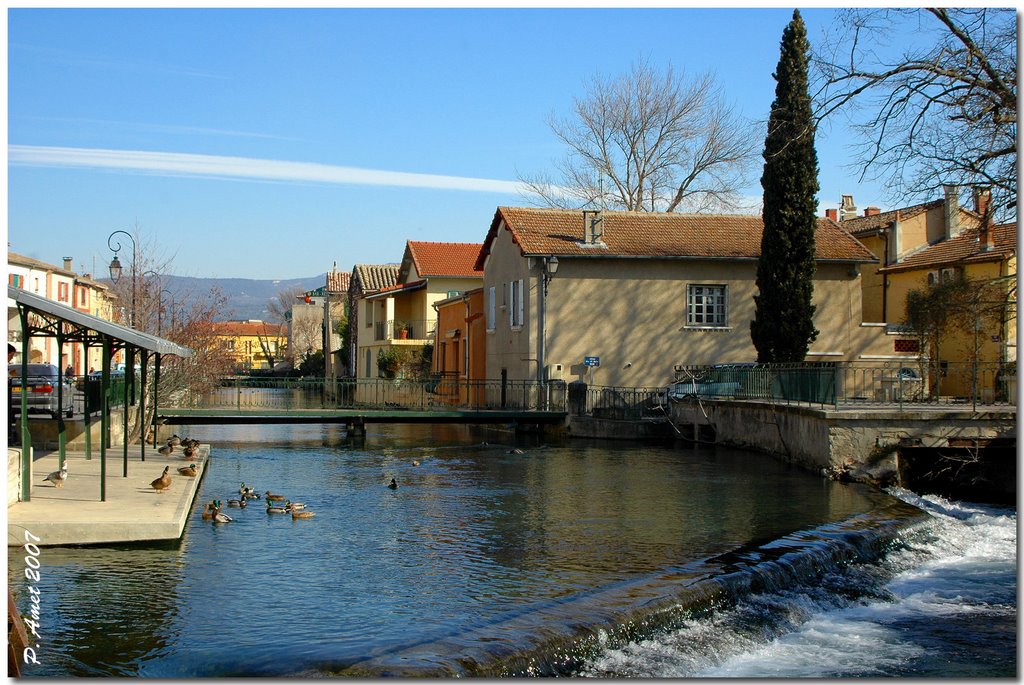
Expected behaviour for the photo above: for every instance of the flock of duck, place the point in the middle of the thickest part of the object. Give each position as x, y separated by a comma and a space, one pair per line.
276, 504
188, 450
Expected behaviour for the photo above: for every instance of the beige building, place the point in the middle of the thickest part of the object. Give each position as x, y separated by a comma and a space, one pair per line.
619, 298
897, 235
400, 319
60, 284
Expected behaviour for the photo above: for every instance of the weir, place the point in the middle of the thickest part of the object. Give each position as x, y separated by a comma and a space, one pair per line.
557, 639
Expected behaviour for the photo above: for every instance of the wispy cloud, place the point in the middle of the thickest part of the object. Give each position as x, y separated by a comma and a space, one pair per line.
212, 166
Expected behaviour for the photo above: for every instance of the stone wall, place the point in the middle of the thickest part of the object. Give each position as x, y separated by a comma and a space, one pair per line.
864, 444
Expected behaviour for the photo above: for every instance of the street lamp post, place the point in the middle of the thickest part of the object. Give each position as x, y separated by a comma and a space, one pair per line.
115, 266
159, 298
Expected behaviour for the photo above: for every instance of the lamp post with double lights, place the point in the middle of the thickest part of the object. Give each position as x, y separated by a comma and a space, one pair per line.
116, 269
159, 299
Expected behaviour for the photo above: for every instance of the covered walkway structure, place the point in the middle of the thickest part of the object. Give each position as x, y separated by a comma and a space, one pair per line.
40, 317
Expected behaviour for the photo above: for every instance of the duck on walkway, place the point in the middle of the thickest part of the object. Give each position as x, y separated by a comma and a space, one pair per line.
163, 482
174, 440
166, 450
189, 470
58, 477
189, 451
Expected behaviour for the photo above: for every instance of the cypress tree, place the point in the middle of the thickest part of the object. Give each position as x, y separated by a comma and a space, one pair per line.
783, 326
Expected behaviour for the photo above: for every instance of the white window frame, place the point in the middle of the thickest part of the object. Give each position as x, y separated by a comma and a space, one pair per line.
707, 305
516, 308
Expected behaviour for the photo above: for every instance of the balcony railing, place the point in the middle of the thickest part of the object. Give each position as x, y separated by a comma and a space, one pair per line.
405, 329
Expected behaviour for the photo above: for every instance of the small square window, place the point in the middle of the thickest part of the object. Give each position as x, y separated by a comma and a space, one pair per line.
707, 306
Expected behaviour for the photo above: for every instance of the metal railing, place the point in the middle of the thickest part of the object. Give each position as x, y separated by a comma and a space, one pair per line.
405, 329
815, 384
436, 394
851, 383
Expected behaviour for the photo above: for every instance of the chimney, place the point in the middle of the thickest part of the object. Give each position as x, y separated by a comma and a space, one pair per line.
893, 244
847, 210
67, 264
593, 227
982, 199
832, 214
952, 212
872, 211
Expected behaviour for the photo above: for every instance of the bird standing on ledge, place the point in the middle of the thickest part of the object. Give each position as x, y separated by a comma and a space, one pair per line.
163, 482
58, 477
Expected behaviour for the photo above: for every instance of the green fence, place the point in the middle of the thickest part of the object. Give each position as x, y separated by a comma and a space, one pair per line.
847, 383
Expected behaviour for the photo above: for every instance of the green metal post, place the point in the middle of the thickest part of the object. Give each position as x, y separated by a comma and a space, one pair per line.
104, 417
26, 437
62, 438
156, 391
142, 405
87, 415
124, 416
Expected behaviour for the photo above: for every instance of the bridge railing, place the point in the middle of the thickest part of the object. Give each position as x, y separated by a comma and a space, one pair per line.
243, 394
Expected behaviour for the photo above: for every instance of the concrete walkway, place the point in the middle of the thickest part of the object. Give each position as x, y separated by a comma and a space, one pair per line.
134, 512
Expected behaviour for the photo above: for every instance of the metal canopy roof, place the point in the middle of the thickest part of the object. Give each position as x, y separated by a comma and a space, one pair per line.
128, 335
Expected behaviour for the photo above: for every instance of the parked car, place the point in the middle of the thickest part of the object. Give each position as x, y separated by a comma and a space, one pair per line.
41, 390
719, 380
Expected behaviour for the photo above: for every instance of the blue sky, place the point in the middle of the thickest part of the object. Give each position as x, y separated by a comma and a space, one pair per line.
266, 143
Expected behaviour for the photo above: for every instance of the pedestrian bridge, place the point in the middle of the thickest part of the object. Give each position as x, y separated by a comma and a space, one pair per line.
356, 403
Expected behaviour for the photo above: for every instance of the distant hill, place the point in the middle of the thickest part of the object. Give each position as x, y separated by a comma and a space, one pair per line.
246, 298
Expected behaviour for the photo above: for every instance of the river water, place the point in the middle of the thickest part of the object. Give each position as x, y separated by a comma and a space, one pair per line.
492, 545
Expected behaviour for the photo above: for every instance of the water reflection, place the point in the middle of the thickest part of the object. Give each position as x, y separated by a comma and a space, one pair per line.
474, 534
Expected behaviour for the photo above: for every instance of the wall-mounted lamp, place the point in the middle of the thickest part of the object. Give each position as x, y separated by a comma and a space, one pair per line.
550, 267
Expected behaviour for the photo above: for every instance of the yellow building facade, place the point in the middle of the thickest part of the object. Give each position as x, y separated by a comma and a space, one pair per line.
252, 344
924, 245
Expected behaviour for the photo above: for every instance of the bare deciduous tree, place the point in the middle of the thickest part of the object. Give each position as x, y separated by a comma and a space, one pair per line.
938, 107
144, 302
649, 141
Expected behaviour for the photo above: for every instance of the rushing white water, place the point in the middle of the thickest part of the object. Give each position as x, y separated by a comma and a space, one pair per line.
942, 603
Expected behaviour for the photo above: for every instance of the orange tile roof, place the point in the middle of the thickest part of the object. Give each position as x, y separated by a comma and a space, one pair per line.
649, 234
452, 260
262, 328
965, 248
